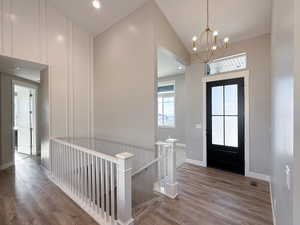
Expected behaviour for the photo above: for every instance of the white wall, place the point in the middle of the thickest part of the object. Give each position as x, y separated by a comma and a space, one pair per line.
125, 76
166, 37
258, 59
296, 164
36, 31
125, 80
282, 110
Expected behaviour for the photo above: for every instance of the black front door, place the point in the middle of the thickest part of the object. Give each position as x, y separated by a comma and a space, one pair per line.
225, 125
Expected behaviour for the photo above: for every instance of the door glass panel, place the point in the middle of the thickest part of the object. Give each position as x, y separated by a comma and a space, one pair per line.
217, 100
217, 130
231, 131
231, 99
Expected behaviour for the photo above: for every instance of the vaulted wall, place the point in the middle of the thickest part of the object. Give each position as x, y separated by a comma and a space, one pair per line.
126, 75
34, 30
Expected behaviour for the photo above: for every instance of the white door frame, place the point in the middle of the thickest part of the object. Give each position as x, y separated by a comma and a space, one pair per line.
35, 108
225, 76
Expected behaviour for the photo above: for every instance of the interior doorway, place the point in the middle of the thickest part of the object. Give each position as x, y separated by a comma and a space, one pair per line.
24, 118
171, 102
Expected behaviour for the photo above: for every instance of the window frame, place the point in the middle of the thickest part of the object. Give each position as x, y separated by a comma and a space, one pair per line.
166, 95
224, 58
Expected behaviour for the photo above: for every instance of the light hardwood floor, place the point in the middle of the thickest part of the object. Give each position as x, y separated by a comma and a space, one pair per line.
212, 197
207, 197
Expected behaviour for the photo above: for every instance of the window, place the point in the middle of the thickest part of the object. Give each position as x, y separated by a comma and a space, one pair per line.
166, 104
224, 110
227, 64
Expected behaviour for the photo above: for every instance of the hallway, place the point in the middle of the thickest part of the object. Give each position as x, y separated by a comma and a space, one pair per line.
207, 197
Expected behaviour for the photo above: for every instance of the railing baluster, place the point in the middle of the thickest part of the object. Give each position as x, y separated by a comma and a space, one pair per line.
97, 185
99, 181
82, 176
93, 182
107, 188
112, 188
102, 185
85, 179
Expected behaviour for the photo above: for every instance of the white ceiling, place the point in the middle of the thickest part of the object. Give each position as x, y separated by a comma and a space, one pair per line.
238, 19
97, 21
21, 68
167, 64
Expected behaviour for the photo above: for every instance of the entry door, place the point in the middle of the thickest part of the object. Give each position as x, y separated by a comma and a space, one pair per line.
24, 119
225, 125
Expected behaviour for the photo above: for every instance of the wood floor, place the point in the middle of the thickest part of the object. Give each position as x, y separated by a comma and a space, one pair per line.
207, 197
27, 197
212, 197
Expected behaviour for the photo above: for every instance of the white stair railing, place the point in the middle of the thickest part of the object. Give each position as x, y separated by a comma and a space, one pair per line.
167, 183
99, 183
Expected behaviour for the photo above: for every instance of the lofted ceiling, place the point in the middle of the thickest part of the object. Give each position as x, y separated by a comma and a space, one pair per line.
97, 21
237, 19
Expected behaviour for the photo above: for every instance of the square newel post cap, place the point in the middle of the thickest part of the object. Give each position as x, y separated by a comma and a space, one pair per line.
172, 140
124, 155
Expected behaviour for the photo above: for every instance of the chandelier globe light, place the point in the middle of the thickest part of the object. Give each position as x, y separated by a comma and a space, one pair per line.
208, 42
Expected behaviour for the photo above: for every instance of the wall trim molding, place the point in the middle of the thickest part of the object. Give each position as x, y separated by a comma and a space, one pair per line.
196, 162
254, 175
7, 165
259, 176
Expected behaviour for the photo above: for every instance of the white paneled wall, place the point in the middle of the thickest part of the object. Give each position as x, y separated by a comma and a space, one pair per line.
36, 31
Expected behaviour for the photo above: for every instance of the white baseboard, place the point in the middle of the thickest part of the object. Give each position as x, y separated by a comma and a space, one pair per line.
258, 176
195, 162
273, 204
6, 165
181, 145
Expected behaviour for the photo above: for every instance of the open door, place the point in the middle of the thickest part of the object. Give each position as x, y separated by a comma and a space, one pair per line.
24, 119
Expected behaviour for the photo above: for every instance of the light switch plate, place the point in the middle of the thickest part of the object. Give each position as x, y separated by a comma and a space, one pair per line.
198, 126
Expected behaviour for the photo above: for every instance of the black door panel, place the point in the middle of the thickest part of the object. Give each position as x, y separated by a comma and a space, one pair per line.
225, 125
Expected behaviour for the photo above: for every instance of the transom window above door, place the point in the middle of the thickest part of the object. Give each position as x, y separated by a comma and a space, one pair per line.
227, 64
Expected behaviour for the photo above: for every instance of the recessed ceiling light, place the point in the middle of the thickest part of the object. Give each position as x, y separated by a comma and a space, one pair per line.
96, 4
180, 67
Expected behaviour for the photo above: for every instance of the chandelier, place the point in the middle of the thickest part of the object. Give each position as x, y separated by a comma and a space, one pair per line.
208, 42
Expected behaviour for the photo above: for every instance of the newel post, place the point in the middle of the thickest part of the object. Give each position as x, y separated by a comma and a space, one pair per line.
124, 189
171, 183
